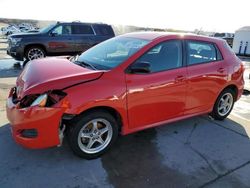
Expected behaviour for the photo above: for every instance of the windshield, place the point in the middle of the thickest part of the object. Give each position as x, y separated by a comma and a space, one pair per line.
46, 29
112, 52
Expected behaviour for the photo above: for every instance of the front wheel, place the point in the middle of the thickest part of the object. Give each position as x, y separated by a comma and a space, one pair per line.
34, 52
93, 134
223, 105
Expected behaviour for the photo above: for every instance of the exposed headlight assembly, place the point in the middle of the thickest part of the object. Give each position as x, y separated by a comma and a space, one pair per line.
40, 101
43, 100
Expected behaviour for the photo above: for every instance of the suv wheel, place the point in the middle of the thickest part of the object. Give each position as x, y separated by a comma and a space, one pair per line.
223, 105
34, 52
93, 134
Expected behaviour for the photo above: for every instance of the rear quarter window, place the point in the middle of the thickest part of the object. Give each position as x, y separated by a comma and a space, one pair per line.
227, 47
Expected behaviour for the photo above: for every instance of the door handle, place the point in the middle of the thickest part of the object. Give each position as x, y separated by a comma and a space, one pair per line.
179, 78
221, 70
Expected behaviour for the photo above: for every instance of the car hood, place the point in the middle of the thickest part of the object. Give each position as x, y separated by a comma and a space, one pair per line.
47, 74
25, 35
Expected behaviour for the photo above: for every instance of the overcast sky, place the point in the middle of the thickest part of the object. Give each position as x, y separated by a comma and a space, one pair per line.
210, 15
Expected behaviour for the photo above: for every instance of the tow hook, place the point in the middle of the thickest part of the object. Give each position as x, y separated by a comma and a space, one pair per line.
61, 133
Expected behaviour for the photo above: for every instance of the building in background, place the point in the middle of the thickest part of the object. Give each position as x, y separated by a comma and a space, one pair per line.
241, 43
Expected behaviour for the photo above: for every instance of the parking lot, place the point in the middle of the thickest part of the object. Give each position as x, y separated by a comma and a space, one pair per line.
197, 152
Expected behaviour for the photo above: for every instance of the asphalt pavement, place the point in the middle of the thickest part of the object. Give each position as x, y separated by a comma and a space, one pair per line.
197, 152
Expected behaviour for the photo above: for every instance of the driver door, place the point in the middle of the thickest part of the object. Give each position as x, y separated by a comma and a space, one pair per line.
61, 39
160, 94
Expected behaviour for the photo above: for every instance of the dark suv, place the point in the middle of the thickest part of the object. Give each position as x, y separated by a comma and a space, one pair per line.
58, 39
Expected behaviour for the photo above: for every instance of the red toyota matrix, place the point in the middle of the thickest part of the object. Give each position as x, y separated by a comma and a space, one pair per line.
123, 85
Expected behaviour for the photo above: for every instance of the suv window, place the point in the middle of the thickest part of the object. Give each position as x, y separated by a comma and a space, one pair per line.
164, 56
103, 30
82, 29
62, 30
201, 52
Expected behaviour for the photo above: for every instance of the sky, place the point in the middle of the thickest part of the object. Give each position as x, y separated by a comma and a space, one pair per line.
207, 15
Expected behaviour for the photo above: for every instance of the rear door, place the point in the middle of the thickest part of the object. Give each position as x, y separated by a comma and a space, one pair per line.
161, 94
83, 35
60, 39
206, 75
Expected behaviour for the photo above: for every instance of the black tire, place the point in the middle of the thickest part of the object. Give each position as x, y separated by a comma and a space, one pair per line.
79, 122
215, 113
25, 62
32, 48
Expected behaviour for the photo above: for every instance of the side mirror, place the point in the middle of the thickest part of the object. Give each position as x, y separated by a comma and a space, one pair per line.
141, 67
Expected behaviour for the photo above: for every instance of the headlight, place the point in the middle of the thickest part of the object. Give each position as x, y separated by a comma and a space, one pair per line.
14, 41
41, 100
47, 99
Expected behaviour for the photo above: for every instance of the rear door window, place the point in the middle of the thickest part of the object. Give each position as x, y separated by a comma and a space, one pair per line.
82, 30
201, 52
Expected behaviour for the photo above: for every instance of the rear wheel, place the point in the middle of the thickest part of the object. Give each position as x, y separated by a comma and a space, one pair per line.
34, 52
223, 105
93, 134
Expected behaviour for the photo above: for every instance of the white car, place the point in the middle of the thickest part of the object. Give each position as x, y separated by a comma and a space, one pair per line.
10, 30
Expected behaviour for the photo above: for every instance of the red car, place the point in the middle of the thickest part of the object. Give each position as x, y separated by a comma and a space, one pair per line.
123, 85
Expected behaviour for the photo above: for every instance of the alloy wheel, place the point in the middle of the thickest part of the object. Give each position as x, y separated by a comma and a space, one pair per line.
35, 53
95, 135
225, 104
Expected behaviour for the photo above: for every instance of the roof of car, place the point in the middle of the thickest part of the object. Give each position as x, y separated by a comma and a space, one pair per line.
79, 22
154, 35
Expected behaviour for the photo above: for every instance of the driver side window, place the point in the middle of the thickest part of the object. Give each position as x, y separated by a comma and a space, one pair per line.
164, 56
62, 30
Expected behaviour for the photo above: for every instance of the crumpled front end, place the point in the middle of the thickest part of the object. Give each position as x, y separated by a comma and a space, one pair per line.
34, 126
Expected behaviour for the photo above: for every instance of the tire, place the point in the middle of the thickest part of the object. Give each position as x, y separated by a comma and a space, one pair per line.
222, 110
34, 52
25, 62
89, 145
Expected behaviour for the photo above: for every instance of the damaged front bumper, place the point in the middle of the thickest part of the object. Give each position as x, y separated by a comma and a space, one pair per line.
35, 127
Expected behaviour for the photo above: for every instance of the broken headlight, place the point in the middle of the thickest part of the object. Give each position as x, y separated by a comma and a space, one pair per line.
43, 100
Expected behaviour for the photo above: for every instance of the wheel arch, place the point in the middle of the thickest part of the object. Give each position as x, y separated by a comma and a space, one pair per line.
34, 44
214, 113
108, 109
233, 87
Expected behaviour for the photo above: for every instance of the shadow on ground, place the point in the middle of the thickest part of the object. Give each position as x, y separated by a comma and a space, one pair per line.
196, 152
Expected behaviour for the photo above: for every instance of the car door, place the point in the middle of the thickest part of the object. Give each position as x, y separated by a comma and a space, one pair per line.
61, 40
83, 36
160, 94
206, 75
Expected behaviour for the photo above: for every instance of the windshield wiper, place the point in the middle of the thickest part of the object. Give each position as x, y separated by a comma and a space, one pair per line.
82, 63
